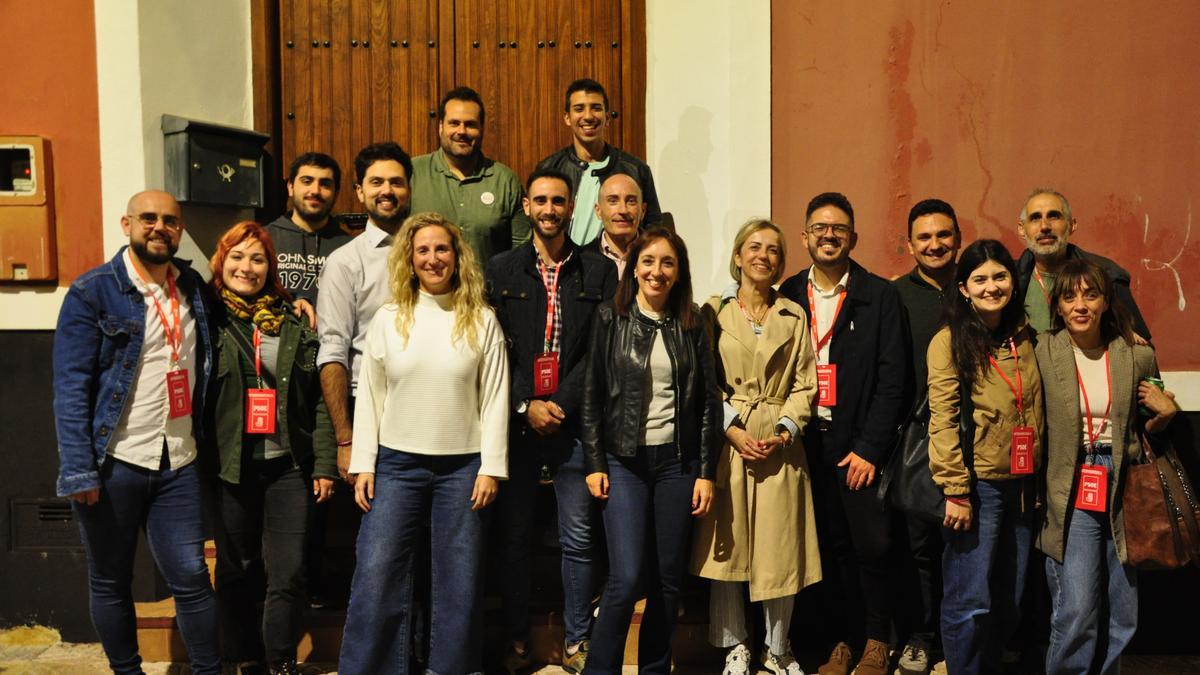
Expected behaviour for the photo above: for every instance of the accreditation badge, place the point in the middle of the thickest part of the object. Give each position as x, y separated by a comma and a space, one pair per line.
545, 374
260, 411
179, 394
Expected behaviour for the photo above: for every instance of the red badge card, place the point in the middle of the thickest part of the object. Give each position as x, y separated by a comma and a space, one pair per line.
1092, 494
1021, 461
179, 394
260, 411
827, 385
545, 374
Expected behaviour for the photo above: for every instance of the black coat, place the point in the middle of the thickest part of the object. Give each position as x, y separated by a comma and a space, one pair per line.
871, 351
613, 393
1116, 274
516, 292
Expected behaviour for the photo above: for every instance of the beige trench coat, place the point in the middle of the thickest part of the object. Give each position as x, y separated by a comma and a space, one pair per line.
760, 528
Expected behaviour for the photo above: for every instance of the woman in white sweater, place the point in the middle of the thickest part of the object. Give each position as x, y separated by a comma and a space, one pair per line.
430, 444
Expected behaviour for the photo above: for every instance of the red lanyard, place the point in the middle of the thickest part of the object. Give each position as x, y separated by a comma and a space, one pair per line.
551, 294
258, 355
746, 314
1045, 294
1017, 391
1087, 407
818, 343
174, 333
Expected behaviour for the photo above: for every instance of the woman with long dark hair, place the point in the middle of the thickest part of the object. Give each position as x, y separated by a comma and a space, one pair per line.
985, 443
651, 415
1094, 381
274, 447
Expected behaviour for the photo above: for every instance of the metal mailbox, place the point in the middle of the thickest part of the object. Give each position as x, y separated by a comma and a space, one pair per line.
213, 164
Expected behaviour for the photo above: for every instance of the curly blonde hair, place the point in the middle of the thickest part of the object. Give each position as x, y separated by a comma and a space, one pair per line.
466, 283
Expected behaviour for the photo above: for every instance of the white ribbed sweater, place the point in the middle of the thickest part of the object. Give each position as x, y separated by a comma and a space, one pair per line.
432, 396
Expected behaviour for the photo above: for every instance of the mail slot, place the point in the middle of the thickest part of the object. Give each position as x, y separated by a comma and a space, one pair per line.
213, 164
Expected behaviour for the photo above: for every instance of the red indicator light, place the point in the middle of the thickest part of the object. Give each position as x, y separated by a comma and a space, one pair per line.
26, 172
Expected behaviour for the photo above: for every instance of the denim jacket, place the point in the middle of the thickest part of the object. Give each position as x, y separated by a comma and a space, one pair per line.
97, 347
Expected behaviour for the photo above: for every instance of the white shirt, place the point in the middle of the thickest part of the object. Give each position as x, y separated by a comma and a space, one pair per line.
658, 395
145, 423
354, 285
825, 305
431, 395
1092, 367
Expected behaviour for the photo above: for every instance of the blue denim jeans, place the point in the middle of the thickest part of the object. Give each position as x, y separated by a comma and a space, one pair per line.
410, 491
648, 524
514, 525
983, 570
167, 504
1093, 596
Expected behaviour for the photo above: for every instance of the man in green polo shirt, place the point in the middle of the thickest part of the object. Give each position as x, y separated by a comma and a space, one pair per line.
481, 196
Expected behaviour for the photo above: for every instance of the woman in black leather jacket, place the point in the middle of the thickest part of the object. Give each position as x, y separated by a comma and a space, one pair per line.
651, 417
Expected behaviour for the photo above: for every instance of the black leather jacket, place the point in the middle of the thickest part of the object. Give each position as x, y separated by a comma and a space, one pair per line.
614, 388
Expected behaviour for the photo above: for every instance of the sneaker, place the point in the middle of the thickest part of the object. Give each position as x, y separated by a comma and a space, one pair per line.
914, 660
285, 668
574, 663
737, 661
780, 665
874, 660
839, 661
516, 659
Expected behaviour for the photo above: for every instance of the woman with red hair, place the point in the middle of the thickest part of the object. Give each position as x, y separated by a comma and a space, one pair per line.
274, 446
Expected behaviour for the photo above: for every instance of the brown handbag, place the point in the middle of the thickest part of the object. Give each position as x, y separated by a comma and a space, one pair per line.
1162, 515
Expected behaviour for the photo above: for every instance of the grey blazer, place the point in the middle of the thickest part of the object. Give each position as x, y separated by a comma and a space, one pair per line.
1127, 366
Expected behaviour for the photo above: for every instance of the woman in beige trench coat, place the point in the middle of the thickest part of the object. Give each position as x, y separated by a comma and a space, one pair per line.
760, 528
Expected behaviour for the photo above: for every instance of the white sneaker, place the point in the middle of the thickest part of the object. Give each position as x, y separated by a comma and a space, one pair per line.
784, 664
914, 660
737, 661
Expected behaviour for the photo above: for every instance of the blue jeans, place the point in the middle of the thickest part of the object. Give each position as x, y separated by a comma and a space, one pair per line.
983, 570
167, 504
410, 491
1093, 596
648, 523
515, 519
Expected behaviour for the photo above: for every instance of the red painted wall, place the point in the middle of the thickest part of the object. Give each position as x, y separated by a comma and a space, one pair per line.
49, 89
979, 102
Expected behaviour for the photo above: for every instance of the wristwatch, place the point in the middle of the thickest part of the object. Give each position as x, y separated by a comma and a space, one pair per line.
522, 407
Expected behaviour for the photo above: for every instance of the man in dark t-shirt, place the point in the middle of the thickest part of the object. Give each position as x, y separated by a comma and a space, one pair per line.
307, 235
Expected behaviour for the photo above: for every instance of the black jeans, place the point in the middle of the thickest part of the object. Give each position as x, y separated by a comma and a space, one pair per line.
854, 530
262, 521
921, 590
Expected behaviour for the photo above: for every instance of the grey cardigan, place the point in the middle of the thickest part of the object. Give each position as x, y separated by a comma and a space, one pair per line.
1128, 364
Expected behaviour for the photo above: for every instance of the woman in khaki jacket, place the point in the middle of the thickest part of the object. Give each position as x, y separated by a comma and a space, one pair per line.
760, 528
1093, 373
986, 349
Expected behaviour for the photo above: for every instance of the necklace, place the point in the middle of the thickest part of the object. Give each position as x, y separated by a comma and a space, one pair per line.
756, 318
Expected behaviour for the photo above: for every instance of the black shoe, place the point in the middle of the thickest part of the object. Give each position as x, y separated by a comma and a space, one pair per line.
288, 667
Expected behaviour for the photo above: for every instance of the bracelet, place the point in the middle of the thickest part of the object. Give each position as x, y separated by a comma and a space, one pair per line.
345, 444
960, 501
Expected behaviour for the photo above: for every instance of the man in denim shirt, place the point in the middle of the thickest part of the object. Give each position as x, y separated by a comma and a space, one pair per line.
132, 358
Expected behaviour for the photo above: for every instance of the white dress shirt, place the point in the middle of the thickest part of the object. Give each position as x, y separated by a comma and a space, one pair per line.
825, 305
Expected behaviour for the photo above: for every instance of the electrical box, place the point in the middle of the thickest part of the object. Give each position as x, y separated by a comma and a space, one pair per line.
213, 164
27, 246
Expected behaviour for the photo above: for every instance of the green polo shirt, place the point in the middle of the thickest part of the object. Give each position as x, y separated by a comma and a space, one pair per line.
486, 206
1036, 306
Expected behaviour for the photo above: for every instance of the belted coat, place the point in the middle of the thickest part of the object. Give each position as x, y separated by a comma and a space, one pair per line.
761, 528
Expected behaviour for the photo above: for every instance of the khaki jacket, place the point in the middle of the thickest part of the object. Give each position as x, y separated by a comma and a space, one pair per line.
995, 413
761, 528
1127, 365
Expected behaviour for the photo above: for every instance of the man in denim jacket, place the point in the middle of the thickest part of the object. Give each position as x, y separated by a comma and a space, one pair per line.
132, 359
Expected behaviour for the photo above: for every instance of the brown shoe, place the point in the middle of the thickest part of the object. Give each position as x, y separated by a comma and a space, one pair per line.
839, 661
874, 660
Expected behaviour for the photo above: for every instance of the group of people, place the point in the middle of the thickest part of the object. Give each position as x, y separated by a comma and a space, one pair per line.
482, 333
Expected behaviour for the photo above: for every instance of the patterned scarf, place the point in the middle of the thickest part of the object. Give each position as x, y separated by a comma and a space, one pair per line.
266, 312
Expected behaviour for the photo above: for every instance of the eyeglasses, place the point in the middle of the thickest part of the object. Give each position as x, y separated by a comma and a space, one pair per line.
838, 229
149, 219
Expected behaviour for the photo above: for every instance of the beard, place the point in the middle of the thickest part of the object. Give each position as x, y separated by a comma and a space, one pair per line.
1046, 250
310, 216
143, 252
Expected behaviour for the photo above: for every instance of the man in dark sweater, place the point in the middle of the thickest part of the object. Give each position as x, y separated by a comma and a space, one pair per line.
933, 241
307, 235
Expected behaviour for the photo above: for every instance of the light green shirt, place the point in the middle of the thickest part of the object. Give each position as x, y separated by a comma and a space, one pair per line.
585, 224
486, 206
1036, 305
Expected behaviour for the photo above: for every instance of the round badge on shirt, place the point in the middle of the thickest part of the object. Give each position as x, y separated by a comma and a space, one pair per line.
487, 198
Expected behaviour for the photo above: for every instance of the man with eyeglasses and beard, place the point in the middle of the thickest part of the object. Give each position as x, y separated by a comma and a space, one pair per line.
306, 237
545, 293
132, 360
859, 337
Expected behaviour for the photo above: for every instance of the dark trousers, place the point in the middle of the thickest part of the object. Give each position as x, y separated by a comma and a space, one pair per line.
261, 521
165, 503
921, 590
854, 529
648, 523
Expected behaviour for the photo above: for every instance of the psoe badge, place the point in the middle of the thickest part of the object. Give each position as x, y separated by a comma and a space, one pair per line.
487, 198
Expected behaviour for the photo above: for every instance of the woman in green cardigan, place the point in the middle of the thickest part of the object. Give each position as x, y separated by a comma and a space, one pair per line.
275, 450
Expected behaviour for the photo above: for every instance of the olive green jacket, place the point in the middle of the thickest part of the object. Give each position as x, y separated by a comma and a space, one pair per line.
300, 406
1127, 365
